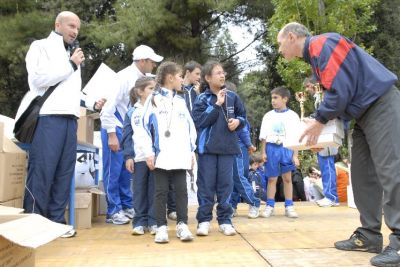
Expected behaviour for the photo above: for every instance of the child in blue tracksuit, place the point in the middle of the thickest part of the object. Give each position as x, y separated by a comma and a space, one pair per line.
217, 114
257, 176
168, 140
278, 159
143, 181
242, 187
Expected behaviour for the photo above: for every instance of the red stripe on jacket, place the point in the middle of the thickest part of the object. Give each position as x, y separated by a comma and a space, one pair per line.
335, 61
316, 46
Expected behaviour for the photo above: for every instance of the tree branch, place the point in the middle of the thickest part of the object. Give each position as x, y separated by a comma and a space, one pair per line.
244, 48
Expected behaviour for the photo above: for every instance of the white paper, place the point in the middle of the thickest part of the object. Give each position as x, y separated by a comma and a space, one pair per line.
102, 84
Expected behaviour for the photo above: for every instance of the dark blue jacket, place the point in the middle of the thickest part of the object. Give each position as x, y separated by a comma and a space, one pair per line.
244, 135
127, 133
190, 97
258, 176
213, 134
352, 78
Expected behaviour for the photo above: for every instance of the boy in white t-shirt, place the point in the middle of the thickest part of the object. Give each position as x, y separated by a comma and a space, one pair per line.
275, 126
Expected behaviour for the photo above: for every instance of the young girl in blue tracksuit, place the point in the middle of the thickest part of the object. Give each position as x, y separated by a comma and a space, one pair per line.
217, 114
135, 161
168, 140
242, 187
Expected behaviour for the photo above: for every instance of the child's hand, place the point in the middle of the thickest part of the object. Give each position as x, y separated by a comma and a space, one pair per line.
264, 157
221, 97
296, 160
197, 87
233, 124
251, 149
130, 165
150, 163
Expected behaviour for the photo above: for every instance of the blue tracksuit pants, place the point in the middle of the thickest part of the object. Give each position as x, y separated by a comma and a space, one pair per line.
143, 195
116, 178
242, 187
51, 167
214, 178
328, 175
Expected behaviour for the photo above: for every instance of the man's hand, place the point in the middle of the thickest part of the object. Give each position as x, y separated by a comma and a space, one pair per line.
233, 124
150, 163
78, 57
130, 165
113, 142
312, 132
100, 103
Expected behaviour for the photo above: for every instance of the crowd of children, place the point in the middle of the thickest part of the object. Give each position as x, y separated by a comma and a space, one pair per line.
192, 114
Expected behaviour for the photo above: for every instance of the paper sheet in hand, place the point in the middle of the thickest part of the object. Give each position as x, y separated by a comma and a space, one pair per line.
102, 84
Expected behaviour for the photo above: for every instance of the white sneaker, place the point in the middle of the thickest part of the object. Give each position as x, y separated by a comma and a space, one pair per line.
254, 212
290, 212
138, 230
153, 229
183, 232
161, 234
69, 234
203, 228
118, 218
172, 216
268, 212
326, 202
227, 229
130, 213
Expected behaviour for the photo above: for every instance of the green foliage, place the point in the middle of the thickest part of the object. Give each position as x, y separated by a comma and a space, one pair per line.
349, 18
385, 41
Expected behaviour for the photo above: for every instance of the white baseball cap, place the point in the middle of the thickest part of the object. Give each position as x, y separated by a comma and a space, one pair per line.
146, 52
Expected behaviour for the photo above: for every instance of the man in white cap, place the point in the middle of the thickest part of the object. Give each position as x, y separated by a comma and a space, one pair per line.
116, 177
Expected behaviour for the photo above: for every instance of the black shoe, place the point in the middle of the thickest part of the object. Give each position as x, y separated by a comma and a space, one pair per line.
358, 242
389, 257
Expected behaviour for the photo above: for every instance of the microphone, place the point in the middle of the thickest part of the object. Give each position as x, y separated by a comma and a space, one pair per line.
74, 46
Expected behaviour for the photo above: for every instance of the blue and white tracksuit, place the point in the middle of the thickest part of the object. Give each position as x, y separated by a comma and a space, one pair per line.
326, 161
190, 96
143, 180
217, 147
116, 178
168, 134
259, 180
242, 187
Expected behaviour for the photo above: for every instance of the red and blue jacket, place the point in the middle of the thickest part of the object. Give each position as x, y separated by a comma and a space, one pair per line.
352, 79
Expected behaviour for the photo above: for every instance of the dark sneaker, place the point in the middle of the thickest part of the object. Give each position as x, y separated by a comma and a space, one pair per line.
358, 242
389, 257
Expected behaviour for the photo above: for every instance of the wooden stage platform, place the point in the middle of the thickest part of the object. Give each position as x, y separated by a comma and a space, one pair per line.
277, 241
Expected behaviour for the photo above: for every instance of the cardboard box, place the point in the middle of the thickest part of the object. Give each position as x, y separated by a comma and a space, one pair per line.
12, 170
1, 134
84, 207
15, 203
331, 136
86, 126
21, 234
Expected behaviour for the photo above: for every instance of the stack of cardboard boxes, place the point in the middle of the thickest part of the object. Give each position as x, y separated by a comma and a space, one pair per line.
20, 234
12, 172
